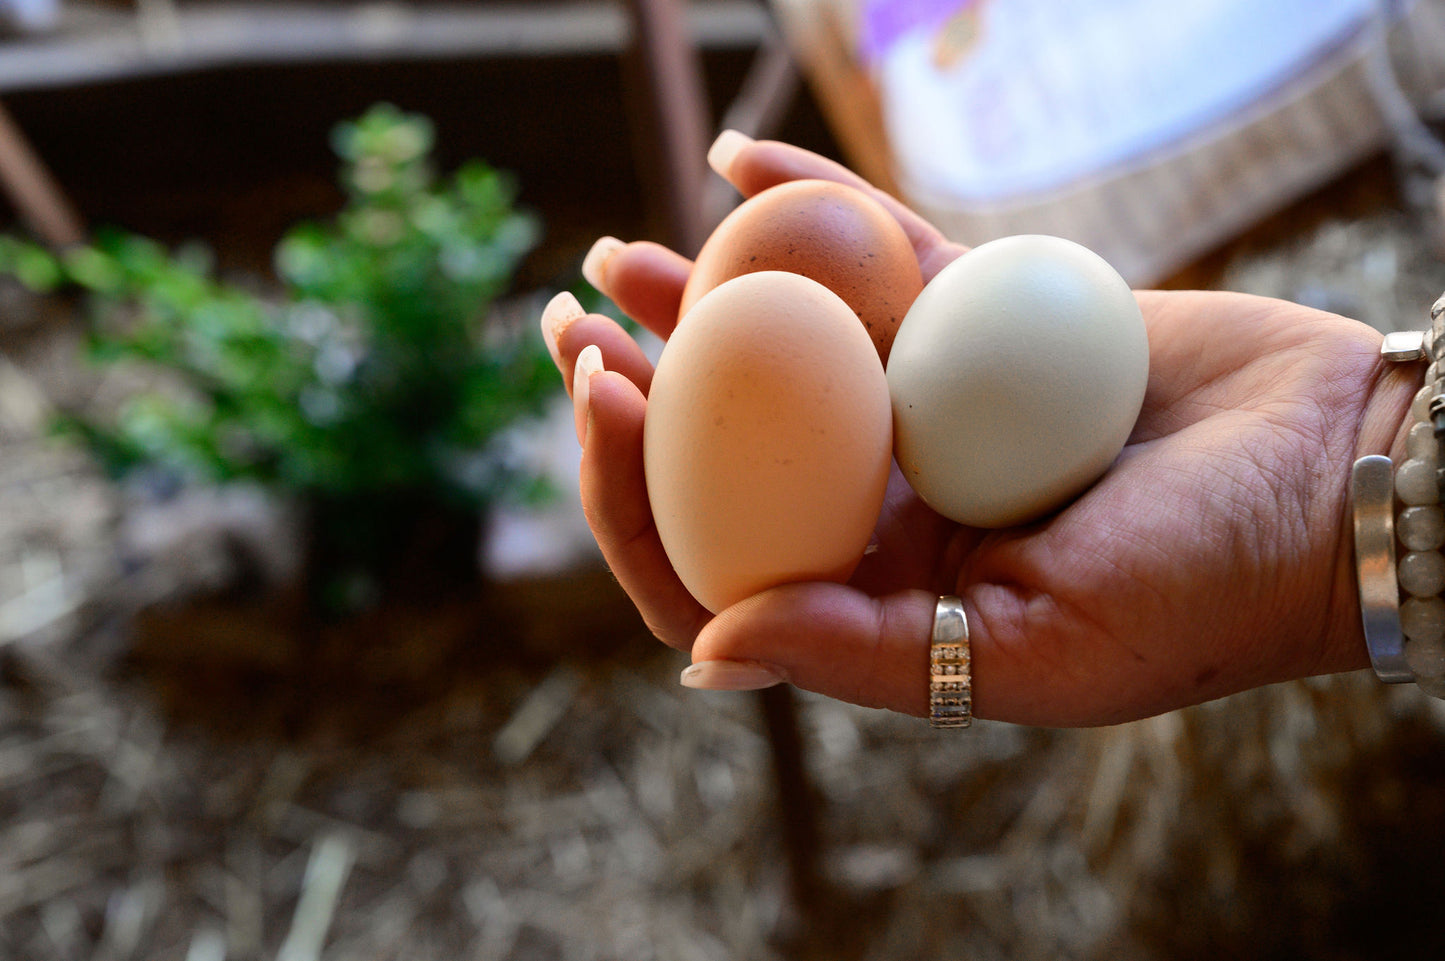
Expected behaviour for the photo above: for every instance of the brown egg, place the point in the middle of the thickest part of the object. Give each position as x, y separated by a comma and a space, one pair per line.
768, 439
833, 234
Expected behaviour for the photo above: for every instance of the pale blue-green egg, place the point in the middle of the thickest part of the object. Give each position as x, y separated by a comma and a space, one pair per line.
1016, 378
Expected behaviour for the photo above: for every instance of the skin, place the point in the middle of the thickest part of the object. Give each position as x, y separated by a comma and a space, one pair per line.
1215, 556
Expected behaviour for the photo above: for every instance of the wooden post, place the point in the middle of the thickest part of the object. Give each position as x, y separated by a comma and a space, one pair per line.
675, 139
678, 128
37, 196
797, 798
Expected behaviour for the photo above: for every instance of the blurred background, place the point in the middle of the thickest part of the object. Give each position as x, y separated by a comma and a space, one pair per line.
305, 651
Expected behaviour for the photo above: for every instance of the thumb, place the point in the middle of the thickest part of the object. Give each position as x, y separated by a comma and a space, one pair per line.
826, 638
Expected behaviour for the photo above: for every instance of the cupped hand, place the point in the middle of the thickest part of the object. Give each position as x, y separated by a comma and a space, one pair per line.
1213, 557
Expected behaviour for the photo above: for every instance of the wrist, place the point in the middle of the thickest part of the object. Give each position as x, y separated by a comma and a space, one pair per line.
1383, 427
1384, 420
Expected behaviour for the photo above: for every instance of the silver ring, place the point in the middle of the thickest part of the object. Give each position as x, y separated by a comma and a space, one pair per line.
950, 678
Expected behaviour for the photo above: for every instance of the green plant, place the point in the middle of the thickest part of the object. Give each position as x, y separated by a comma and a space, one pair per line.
370, 375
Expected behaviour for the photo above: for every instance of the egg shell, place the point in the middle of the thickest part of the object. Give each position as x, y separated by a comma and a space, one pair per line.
768, 439
833, 233
1016, 379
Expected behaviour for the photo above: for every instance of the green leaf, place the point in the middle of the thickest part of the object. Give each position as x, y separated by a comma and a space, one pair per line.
32, 265
372, 367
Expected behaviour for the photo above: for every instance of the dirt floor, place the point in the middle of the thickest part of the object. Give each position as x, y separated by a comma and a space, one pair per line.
516, 775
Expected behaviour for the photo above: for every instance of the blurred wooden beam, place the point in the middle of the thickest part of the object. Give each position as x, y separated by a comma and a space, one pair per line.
37, 196
674, 122
109, 44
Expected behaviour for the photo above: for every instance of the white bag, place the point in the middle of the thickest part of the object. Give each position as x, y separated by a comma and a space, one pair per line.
1150, 132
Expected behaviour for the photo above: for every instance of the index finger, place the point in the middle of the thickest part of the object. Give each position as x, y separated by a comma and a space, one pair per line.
644, 279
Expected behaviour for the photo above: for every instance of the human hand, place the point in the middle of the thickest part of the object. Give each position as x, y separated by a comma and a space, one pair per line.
1213, 557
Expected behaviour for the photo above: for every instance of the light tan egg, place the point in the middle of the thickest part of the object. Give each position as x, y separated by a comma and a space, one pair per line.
832, 233
768, 438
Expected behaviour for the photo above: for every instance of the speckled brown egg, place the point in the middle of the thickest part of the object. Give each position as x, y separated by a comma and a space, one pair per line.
831, 233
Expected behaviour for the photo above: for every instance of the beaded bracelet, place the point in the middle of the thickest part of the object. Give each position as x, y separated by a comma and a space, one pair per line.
1406, 637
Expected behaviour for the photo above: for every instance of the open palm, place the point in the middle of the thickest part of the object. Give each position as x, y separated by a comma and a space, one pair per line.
1211, 558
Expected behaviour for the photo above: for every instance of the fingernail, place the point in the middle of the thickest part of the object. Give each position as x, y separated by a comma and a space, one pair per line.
594, 265
559, 312
729, 676
589, 362
724, 150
